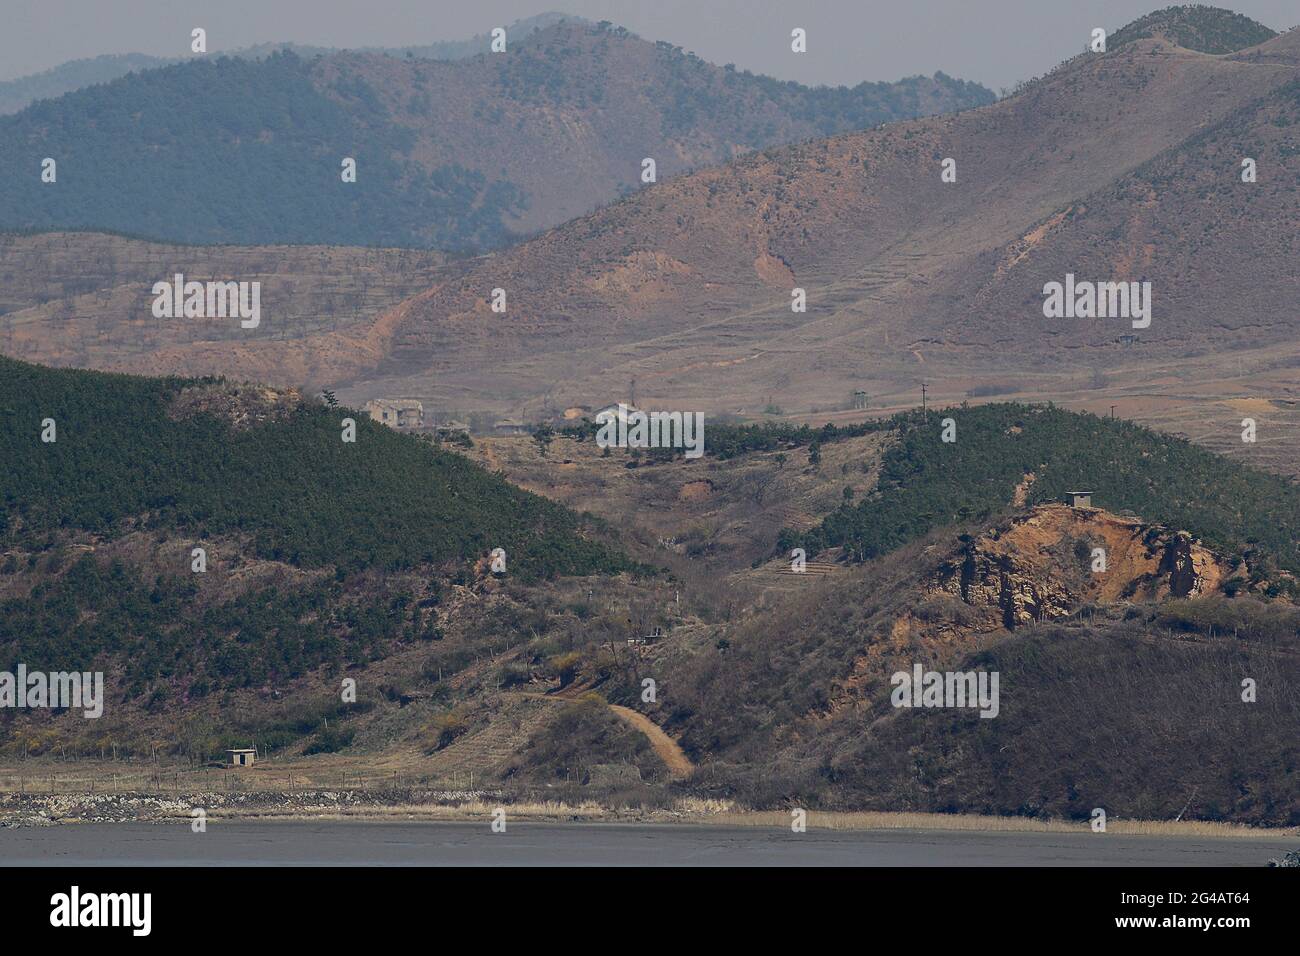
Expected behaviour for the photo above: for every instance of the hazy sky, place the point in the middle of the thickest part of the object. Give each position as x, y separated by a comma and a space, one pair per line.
997, 42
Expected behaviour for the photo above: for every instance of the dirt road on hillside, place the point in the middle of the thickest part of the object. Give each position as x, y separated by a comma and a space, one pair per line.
674, 758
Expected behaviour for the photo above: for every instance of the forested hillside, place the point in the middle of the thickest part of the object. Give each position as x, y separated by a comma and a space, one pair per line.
318, 550
304, 496
257, 162
793, 709
927, 482
76, 74
1196, 27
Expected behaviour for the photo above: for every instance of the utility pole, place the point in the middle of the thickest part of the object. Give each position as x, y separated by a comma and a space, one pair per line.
1112, 413
923, 387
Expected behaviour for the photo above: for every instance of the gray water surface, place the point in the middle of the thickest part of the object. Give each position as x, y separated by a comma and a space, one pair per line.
579, 844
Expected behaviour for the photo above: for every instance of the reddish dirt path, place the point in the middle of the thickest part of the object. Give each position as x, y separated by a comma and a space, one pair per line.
668, 750
674, 758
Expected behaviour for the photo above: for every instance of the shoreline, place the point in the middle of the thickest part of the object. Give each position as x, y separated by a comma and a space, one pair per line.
338, 805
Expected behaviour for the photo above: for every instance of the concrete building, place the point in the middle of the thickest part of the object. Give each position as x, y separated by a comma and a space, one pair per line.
396, 412
1080, 499
510, 426
240, 758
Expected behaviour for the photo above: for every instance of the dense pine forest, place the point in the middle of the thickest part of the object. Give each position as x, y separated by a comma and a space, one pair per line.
298, 491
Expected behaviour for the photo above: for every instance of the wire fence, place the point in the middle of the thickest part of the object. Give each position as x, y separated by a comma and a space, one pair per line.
243, 779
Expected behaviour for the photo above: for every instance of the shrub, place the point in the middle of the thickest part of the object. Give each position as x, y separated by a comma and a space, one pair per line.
442, 730
330, 740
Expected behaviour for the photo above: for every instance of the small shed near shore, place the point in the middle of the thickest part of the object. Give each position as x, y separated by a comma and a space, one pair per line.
240, 758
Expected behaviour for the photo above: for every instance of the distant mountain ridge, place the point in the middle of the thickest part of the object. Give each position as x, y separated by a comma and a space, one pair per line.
1125, 165
18, 93
450, 155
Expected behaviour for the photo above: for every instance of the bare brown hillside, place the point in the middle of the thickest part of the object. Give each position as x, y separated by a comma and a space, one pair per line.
721, 515
85, 299
1124, 166
1121, 166
1042, 565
